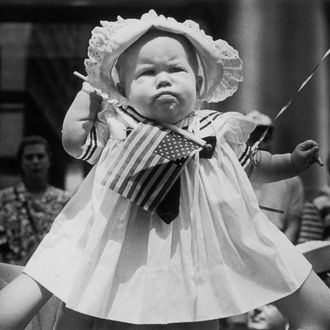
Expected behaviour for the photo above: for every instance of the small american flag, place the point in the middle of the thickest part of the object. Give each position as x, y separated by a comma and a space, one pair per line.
148, 163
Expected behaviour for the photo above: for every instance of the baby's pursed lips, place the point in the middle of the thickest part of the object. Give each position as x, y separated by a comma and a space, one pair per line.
165, 93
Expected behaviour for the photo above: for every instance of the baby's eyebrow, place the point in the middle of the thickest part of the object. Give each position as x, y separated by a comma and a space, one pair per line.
146, 64
141, 67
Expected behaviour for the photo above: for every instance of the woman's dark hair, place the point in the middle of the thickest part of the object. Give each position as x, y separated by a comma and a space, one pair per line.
31, 140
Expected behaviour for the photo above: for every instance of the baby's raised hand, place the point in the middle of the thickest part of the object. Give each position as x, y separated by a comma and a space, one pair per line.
305, 154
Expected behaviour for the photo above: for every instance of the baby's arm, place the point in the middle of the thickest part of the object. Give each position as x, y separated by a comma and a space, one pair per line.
79, 120
20, 300
268, 167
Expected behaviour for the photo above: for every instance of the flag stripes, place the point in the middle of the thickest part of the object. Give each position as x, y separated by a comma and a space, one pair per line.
130, 154
142, 171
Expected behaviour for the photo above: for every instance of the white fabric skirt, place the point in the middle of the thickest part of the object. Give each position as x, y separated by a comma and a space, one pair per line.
107, 258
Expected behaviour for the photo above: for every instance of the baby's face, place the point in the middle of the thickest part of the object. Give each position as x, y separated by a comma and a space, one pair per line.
158, 77
267, 317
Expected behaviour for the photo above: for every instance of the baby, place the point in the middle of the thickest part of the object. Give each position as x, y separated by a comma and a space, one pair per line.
111, 256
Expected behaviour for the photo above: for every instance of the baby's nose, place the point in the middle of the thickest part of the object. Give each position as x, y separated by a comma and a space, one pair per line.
163, 79
256, 311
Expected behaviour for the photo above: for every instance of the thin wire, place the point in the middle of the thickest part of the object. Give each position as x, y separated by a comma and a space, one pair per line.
286, 106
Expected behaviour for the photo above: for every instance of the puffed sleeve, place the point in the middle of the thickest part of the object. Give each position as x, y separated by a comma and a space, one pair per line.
97, 137
235, 129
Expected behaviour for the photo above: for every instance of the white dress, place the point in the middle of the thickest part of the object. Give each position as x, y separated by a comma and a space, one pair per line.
106, 257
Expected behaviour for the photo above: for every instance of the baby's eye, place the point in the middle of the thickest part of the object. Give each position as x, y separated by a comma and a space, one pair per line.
176, 69
148, 72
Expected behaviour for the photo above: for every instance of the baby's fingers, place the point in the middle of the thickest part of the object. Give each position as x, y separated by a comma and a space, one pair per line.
316, 159
308, 145
311, 151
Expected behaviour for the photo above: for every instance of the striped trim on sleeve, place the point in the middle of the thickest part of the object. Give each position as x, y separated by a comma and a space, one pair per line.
90, 151
244, 158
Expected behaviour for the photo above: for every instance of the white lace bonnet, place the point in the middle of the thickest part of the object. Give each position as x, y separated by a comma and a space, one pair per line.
219, 63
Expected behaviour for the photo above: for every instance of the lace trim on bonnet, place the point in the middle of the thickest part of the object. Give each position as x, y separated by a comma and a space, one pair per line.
219, 63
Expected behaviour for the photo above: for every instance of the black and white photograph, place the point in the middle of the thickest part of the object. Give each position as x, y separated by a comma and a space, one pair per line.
164, 165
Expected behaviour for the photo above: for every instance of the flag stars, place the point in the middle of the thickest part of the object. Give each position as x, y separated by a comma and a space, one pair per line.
175, 147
